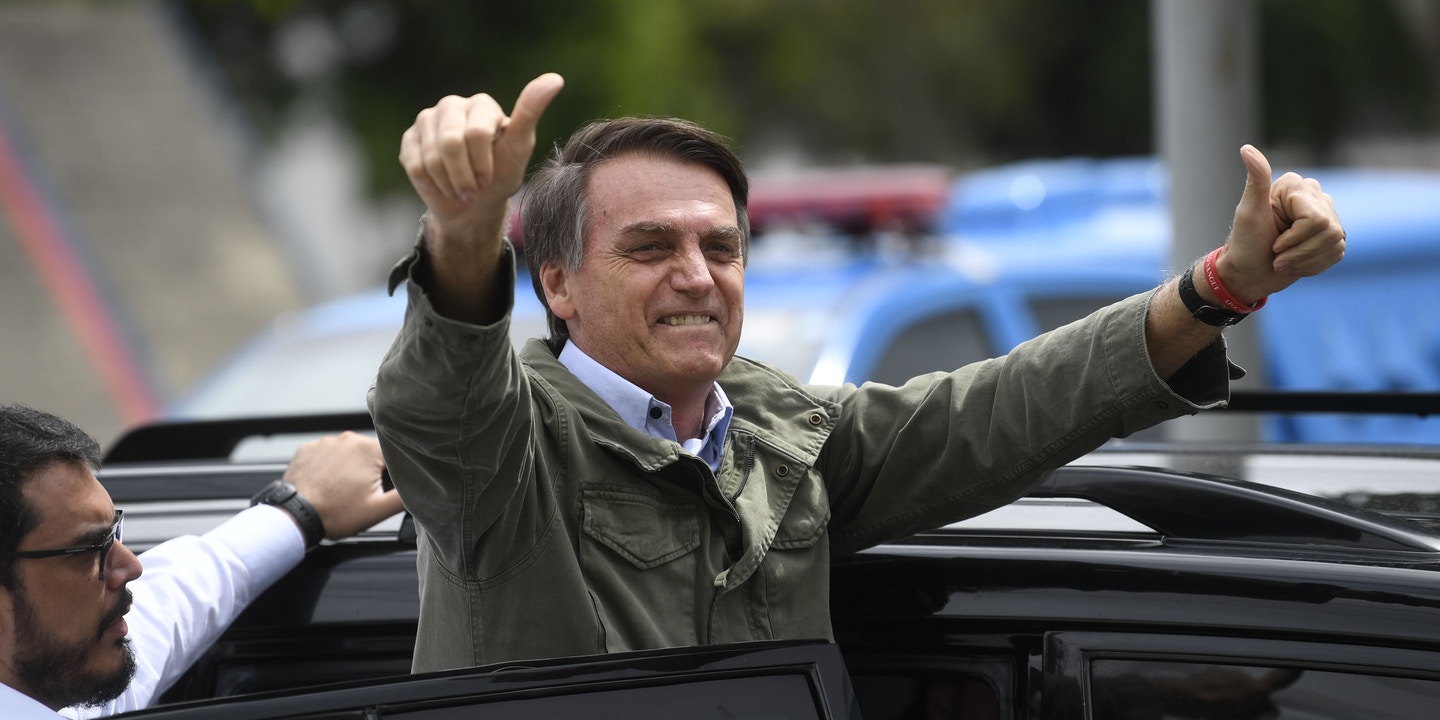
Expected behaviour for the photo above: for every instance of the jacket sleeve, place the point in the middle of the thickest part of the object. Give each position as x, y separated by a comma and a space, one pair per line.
947, 446
452, 411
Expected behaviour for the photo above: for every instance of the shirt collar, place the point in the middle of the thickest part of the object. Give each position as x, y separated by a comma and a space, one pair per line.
15, 705
643, 412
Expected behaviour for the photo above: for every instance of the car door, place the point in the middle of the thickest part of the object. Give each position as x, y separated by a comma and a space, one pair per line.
770, 680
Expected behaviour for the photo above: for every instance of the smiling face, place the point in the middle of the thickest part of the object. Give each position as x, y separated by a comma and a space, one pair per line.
63, 628
659, 297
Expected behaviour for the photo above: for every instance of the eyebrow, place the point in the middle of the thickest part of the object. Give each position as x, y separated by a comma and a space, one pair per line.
724, 232
647, 227
97, 535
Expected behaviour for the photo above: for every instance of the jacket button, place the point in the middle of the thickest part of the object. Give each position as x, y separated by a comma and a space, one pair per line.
816, 418
782, 470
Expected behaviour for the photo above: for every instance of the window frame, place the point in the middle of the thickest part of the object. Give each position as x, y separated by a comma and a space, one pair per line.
1069, 656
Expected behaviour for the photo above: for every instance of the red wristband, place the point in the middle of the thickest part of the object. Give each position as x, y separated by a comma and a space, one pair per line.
1212, 278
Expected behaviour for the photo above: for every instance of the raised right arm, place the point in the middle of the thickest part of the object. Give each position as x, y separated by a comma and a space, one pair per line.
465, 157
450, 403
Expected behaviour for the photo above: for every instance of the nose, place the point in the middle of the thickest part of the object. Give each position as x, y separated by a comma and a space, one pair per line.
691, 271
122, 566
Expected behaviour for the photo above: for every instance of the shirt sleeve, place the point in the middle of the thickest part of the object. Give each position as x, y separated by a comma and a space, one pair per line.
189, 592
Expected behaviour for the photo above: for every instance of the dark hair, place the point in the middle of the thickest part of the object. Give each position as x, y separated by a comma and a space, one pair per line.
556, 208
30, 441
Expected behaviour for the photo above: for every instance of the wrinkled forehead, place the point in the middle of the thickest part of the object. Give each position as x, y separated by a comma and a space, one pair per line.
648, 161
638, 187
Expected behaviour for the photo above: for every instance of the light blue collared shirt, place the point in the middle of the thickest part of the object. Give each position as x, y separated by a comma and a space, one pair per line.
640, 409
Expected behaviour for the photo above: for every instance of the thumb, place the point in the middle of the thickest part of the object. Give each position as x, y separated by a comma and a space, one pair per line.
532, 103
1256, 197
388, 503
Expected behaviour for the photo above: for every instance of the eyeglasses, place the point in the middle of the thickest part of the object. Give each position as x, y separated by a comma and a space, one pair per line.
102, 548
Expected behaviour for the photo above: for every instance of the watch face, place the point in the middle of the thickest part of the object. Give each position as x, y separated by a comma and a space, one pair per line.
276, 493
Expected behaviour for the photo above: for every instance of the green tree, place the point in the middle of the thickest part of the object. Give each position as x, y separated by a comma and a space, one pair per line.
960, 82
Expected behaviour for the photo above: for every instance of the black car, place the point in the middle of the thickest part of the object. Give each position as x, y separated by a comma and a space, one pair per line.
1148, 580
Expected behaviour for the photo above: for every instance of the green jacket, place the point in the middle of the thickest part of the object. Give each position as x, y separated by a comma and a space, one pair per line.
549, 527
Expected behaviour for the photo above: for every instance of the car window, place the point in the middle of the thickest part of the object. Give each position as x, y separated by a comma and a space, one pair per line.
939, 342
768, 680
959, 683
932, 695
1129, 676
1051, 313
775, 697
1165, 689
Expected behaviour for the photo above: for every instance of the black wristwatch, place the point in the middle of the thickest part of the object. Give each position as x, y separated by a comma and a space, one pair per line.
283, 495
1208, 314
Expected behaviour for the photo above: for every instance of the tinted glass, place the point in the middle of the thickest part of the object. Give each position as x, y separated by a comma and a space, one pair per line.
782, 697
926, 696
1128, 689
942, 342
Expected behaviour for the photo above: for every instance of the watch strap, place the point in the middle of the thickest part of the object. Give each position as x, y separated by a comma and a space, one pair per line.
1208, 314
283, 495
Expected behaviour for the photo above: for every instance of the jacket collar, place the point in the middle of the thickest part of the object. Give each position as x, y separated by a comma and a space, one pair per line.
768, 404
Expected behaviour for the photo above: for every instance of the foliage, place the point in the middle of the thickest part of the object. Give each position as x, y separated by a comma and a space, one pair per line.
952, 81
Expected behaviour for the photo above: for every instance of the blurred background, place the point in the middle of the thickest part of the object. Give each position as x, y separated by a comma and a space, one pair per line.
175, 174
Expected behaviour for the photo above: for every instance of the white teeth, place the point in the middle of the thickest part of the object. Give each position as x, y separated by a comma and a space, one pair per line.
686, 320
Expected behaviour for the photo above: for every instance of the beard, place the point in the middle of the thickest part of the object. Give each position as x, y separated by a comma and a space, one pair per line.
53, 671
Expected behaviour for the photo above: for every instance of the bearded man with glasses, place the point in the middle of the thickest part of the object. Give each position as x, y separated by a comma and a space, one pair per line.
69, 641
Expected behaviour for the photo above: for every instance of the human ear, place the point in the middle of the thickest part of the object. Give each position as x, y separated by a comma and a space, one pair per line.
555, 281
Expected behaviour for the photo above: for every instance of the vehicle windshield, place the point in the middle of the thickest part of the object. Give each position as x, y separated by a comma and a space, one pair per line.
789, 338
297, 374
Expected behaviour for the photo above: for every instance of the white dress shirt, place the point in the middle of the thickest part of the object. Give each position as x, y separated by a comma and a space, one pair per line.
14, 706
191, 590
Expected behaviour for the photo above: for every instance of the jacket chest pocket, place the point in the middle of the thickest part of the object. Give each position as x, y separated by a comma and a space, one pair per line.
645, 532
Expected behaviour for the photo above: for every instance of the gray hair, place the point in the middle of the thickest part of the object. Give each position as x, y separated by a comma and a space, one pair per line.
555, 206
